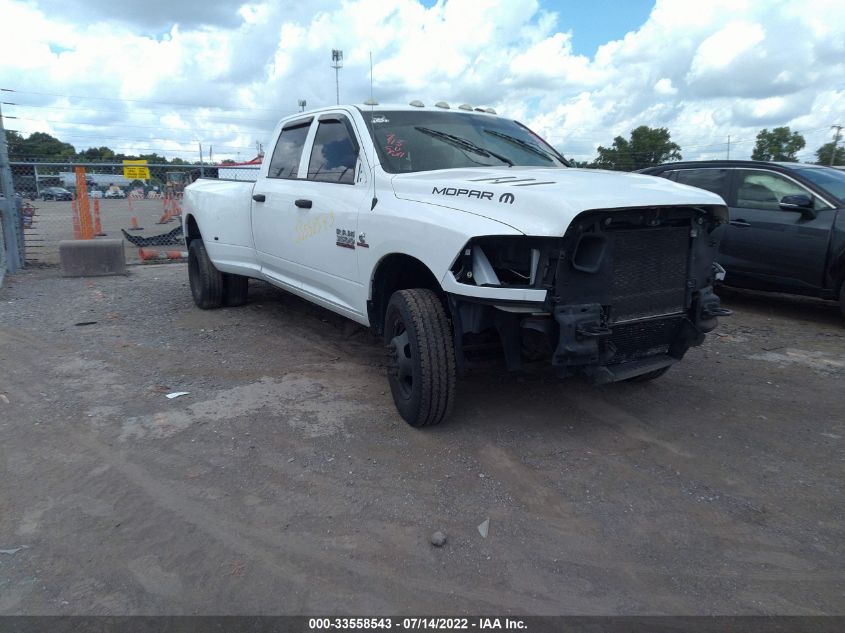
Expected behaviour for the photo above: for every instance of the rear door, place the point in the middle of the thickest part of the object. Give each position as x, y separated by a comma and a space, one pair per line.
274, 215
768, 246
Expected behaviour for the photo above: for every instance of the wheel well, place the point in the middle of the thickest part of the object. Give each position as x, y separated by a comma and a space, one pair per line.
192, 230
397, 272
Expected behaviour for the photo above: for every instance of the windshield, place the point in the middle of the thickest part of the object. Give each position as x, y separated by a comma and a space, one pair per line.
831, 180
410, 141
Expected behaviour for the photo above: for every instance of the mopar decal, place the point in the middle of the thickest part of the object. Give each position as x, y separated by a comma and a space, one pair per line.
507, 198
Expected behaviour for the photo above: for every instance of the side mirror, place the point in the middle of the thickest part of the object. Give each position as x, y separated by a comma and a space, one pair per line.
799, 202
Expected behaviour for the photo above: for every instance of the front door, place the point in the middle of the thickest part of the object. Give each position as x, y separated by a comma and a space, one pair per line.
326, 228
766, 245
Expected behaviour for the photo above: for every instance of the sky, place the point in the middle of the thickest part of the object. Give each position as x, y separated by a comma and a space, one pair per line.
165, 76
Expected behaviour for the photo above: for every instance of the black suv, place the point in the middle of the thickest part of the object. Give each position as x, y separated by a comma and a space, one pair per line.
787, 227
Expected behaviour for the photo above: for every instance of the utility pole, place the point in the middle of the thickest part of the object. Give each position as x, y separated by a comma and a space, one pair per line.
729, 147
337, 64
9, 209
202, 171
838, 129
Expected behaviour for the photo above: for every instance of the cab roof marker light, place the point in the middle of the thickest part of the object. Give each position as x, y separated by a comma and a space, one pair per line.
465, 106
371, 102
489, 110
442, 104
417, 103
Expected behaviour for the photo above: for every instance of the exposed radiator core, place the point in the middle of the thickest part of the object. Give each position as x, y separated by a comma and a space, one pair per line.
649, 272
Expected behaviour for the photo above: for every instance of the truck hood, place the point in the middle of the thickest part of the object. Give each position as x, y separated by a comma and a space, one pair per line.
544, 201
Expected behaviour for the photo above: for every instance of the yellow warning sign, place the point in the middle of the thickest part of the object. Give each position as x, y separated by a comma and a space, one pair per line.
136, 170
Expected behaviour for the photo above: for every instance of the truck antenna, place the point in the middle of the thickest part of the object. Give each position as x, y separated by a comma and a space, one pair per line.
373, 135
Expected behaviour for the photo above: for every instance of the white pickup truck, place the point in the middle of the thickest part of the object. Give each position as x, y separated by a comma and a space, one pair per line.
451, 231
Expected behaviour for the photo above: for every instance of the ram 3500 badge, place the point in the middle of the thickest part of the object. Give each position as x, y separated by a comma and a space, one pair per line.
451, 231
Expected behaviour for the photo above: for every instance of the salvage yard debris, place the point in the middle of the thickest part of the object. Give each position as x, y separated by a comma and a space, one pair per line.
484, 527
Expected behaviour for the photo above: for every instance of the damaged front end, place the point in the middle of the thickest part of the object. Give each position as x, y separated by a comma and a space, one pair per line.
627, 292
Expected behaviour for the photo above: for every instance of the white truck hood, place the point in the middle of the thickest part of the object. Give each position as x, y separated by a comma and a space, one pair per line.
544, 201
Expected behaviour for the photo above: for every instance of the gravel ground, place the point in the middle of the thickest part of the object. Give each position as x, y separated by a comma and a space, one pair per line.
284, 481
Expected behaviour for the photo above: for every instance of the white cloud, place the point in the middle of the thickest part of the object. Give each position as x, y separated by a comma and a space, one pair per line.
703, 70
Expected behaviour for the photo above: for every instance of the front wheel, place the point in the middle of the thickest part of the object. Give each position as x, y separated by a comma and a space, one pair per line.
422, 356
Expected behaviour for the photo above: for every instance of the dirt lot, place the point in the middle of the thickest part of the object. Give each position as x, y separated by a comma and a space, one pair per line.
286, 483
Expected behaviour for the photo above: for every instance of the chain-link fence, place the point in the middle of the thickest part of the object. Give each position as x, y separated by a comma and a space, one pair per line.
2, 253
63, 201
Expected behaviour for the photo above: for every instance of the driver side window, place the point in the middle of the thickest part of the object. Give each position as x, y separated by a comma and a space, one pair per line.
334, 155
765, 190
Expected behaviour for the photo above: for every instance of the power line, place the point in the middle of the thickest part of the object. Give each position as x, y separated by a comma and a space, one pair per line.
134, 112
168, 103
146, 127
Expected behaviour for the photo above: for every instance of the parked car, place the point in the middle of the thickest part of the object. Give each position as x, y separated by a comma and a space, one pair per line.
56, 193
115, 193
787, 226
96, 193
446, 231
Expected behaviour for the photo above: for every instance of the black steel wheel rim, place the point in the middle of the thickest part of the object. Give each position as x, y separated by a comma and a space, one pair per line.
403, 363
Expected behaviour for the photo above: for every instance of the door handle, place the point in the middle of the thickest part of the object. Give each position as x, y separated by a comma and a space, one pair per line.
303, 204
259, 197
740, 223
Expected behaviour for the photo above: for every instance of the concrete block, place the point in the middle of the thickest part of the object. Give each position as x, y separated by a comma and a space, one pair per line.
92, 258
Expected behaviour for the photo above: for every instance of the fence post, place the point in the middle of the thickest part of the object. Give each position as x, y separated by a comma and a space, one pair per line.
9, 210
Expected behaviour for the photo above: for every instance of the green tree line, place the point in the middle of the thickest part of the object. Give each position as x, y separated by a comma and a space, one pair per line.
43, 147
647, 147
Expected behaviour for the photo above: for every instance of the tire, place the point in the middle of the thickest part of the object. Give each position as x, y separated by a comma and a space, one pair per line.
205, 280
235, 289
649, 376
422, 356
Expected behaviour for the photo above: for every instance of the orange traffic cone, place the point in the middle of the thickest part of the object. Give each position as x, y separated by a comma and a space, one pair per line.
135, 226
167, 207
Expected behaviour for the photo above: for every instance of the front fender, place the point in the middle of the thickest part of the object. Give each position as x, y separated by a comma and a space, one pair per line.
434, 235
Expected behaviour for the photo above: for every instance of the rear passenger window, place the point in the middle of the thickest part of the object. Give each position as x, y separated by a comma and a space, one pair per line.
334, 155
285, 161
715, 180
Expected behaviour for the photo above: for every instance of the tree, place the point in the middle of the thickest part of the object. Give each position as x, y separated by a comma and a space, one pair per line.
781, 144
38, 145
646, 148
823, 155
97, 153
